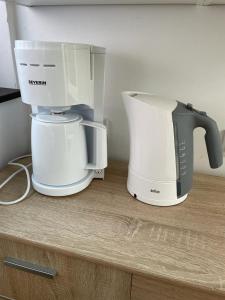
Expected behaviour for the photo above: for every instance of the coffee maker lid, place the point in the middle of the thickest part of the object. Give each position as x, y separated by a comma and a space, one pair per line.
44, 45
57, 118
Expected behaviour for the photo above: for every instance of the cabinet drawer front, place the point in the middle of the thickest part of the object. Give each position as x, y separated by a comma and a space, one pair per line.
73, 278
155, 289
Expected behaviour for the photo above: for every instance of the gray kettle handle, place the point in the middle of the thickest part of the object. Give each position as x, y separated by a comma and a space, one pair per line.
185, 120
212, 139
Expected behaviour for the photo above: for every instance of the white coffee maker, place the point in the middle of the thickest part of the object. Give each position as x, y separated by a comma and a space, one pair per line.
64, 83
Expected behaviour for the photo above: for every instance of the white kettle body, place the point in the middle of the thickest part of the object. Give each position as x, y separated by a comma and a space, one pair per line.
161, 147
59, 153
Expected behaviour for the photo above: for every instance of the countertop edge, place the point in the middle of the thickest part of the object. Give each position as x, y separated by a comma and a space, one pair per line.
125, 268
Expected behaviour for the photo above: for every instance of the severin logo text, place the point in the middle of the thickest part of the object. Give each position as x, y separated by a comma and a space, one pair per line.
37, 82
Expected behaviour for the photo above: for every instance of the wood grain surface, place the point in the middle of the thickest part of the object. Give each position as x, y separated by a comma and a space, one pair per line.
153, 289
183, 244
2, 297
75, 279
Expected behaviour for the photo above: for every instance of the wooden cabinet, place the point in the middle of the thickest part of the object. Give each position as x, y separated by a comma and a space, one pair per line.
75, 278
105, 245
155, 289
5, 298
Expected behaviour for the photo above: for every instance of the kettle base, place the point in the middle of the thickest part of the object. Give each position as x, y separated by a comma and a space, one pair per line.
64, 190
156, 203
154, 192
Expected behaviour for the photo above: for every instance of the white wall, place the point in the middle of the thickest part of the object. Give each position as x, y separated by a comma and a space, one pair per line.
177, 51
14, 130
14, 115
7, 71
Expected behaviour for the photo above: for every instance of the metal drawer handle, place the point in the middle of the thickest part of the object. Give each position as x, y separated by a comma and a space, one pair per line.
29, 267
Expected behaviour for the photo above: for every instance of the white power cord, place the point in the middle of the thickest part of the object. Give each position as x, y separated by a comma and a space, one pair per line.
22, 168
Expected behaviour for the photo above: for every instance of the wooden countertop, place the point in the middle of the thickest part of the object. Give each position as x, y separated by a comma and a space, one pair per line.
184, 243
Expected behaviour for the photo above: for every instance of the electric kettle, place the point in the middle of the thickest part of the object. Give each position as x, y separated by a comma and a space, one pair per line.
59, 153
161, 147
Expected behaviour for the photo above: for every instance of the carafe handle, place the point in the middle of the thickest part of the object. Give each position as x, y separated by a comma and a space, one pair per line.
100, 145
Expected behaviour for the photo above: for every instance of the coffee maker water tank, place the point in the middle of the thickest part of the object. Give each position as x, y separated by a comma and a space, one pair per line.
56, 74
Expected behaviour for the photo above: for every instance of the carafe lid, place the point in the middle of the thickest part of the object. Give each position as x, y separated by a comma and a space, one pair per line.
57, 118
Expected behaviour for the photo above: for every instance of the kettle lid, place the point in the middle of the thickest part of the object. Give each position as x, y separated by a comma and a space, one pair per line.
152, 100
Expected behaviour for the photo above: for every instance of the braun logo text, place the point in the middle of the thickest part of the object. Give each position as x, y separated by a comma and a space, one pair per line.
155, 191
37, 82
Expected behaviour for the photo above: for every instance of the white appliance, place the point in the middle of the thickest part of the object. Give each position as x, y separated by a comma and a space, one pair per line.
161, 147
64, 84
